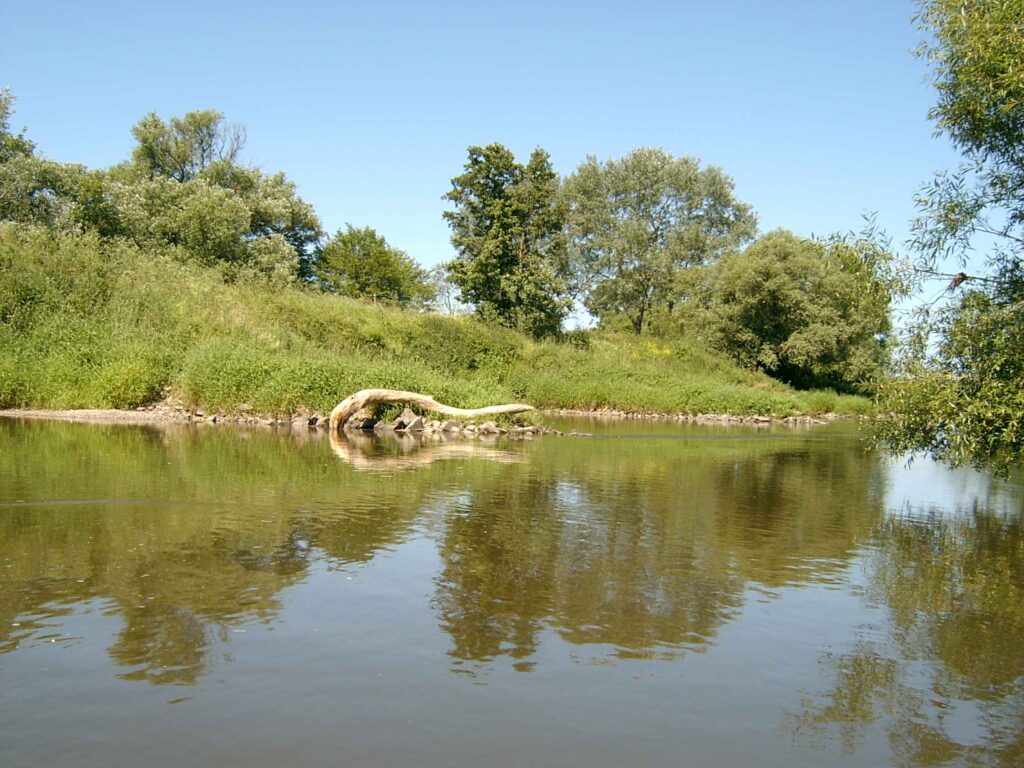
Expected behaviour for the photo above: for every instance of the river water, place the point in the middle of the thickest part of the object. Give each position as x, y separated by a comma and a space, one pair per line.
650, 596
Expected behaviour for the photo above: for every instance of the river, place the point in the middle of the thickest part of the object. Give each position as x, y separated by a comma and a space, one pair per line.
652, 595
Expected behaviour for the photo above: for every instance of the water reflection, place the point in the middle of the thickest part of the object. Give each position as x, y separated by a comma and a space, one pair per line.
635, 554
390, 452
650, 554
192, 532
944, 680
187, 533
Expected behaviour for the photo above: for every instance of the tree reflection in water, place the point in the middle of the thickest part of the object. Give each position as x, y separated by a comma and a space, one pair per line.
646, 548
945, 681
640, 549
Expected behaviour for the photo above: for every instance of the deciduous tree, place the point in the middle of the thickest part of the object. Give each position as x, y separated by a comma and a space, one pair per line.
635, 222
185, 146
360, 263
814, 314
960, 395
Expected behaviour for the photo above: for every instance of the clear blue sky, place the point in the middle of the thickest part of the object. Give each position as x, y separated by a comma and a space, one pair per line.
816, 108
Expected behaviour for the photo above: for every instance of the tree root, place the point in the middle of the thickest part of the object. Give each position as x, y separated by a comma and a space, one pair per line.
348, 407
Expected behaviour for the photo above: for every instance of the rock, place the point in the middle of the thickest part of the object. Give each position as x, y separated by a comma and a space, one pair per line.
384, 426
489, 428
450, 426
413, 425
368, 423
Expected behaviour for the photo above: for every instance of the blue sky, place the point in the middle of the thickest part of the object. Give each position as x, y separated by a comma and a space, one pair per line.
817, 109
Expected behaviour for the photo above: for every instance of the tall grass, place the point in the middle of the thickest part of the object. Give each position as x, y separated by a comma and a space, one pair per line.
86, 323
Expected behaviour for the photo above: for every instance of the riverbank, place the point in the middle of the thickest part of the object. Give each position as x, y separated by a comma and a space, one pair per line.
163, 413
89, 324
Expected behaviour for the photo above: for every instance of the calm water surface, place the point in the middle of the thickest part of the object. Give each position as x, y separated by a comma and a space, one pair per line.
671, 596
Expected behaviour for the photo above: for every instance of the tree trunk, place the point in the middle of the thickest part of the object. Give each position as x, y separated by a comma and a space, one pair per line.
347, 408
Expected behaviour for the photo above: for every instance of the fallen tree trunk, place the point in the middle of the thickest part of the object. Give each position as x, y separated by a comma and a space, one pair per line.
348, 407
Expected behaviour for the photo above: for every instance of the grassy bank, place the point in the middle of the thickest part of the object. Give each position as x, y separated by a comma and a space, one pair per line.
90, 324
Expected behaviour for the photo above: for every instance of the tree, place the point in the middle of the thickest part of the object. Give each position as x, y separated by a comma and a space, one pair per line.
811, 313
184, 147
445, 292
507, 228
11, 144
635, 222
275, 209
186, 186
960, 395
361, 264
32, 189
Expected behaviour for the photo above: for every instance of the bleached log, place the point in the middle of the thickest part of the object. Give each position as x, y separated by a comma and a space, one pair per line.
348, 407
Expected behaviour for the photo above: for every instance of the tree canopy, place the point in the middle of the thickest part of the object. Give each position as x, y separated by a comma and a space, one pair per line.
32, 189
360, 263
812, 313
960, 395
507, 229
184, 147
11, 144
634, 223
184, 190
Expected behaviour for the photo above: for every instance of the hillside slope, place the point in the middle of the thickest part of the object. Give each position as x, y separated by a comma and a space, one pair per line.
84, 323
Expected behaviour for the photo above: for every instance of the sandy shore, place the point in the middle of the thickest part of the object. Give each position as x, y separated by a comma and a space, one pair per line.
98, 415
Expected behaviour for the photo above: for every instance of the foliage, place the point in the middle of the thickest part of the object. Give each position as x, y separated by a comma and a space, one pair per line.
964, 403
958, 397
808, 312
276, 212
11, 144
186, 186
31, 187
183, 148
360, 263
445, 292
183, 188
635, 222
507, 228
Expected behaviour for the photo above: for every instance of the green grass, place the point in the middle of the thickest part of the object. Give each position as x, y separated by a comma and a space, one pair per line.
90, 324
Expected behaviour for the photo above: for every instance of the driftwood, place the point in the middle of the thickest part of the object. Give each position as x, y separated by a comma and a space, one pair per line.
348, 407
